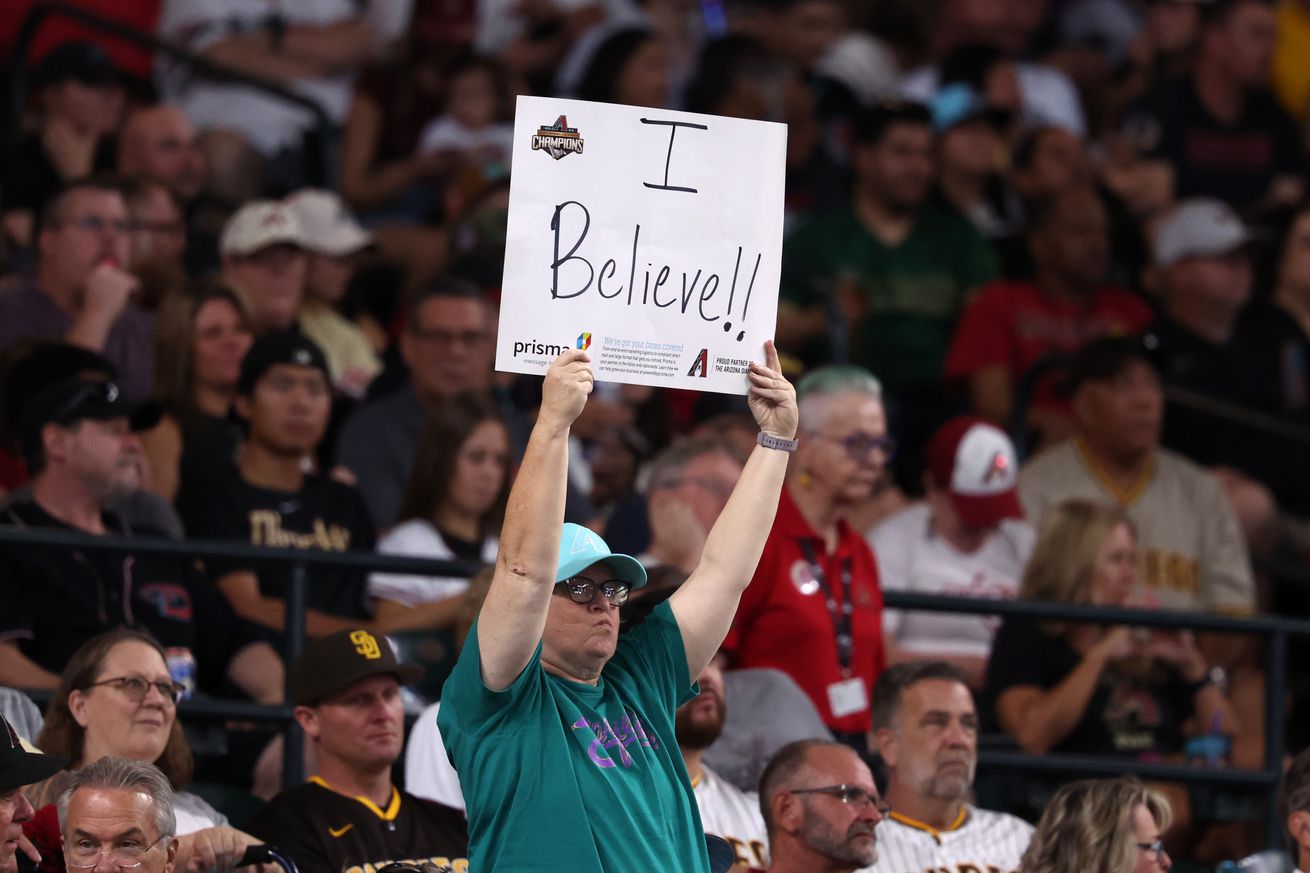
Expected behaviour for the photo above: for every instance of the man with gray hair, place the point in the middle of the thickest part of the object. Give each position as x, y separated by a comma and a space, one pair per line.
1294, 809
820, 809
121, 809
689, 484
926, 728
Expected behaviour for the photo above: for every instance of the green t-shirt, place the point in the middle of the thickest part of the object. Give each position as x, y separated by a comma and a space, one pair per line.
910, 293
558, 775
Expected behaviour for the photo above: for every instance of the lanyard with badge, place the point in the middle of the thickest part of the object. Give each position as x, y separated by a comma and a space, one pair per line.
848, 696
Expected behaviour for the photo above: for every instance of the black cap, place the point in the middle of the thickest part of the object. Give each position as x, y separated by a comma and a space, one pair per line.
283, 347
873, 123
45, 364
336, 661
1104, 358
80, 61
69, 401
18, 766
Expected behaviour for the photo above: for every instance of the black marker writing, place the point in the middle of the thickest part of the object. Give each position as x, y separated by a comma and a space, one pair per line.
668, 157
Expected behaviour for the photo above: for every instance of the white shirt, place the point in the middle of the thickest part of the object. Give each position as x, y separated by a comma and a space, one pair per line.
912, 558
728, 812
419, 539
1048, 95
447, 133
982, 841
428, 771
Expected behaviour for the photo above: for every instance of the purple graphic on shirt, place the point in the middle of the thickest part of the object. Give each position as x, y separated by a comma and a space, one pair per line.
607, 738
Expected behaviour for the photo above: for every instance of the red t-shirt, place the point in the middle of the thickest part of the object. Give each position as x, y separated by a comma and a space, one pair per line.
1015, 325
780, 625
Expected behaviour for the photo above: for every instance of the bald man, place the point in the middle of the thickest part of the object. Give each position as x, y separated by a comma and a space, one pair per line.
159, 144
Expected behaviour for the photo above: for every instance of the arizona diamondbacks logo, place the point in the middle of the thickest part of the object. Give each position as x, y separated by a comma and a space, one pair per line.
558, 139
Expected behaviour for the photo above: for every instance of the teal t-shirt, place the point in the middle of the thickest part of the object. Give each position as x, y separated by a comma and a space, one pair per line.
908, 295
559, 775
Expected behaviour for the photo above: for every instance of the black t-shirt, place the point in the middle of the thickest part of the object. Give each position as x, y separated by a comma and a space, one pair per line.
29, 179
1233, 162
53, 600
1129, 715
325, 515
327, 832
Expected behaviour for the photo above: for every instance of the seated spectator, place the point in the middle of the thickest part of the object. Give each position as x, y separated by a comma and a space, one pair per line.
447, 345
472, 129
204, 335
80, 98
1092, 820
1206, 352
125, 805
453, 508
79, 438
158, 240
264, 261
971, 146
284, 398
1193, 553
1012, 327
334, 241
346, 688
966, 538
1284, 325
883, 281
314, 49
1294, 808
687, 486
117, 699
926, 728
82, 292
814, 607
821, 809
1047, 96
1220, 129
1090, 689
631, 67
20, 766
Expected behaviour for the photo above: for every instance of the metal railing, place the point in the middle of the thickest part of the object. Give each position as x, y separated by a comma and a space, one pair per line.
1277, 632
318, 143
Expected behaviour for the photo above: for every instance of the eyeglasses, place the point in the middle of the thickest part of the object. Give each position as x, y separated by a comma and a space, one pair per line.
169, 227
125, 857
1157, 847
716, 487
858, 445
850, 795
96, 224
136, 688
582, 590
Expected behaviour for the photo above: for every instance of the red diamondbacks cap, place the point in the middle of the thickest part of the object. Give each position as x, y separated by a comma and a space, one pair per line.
976, 463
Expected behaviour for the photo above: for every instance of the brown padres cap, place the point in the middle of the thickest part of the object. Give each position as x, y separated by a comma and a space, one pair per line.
331, 663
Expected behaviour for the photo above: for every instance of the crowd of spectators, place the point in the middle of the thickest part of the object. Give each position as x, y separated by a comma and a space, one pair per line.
1045, 297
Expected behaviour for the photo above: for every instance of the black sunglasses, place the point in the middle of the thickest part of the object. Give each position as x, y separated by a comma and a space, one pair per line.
581, 589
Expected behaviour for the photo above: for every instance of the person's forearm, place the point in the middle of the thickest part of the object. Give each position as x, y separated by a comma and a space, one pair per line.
436, 615
271, 612
257, 670
332, 48
90, 329
19, 671
254, 55
735, 543
1048, 719
535, 511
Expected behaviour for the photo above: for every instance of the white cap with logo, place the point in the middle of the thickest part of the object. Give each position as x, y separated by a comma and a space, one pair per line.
258, 225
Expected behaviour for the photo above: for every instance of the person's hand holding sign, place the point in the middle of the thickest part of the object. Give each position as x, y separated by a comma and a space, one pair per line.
568, 382
772, 398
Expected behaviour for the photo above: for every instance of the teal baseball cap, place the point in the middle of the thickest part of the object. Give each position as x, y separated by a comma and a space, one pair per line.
579, 548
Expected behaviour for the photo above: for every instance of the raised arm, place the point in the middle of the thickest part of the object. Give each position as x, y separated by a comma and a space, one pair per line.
705, 604
514, 615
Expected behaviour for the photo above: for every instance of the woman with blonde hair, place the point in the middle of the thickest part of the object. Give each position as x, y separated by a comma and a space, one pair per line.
1087, 688
201, 337
1101, 826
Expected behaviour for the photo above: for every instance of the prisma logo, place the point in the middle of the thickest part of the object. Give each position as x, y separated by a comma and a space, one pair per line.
536, 348
584, 340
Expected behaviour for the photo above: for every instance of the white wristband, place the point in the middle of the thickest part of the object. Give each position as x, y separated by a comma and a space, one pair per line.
769, 441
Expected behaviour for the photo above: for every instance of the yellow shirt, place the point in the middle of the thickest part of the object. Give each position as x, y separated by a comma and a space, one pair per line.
1291, 72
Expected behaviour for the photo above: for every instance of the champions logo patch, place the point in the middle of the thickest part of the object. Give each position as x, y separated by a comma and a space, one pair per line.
558, 139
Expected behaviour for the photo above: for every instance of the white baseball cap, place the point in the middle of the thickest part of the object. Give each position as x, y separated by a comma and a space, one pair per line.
1199, 228
975, 462
258, 225
330, 228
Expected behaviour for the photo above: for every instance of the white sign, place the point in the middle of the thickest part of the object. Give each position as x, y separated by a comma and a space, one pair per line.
650, 238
